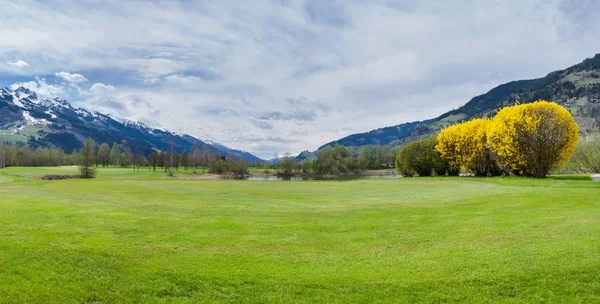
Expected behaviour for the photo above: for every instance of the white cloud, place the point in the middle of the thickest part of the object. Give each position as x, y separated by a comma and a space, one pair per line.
372, 64
151, 80
74, 79
41, 87
101, 89
20, 64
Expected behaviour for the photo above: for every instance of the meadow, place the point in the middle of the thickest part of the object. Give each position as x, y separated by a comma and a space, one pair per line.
131, 237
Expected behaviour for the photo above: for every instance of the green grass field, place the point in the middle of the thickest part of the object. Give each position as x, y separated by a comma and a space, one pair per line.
139, 237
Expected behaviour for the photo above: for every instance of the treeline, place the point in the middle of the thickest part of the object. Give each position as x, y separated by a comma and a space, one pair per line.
121, 155
338, 160
25, 156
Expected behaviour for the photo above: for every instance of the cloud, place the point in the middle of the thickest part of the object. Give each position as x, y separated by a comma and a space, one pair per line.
20, 64
41, 87
267, 69
298, 115
74, 79
262, 124
101, 89
152, 80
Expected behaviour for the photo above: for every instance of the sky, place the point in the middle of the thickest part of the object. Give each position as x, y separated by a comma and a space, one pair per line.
285, 76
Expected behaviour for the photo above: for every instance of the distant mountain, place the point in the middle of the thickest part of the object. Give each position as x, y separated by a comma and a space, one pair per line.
305, 155
577, 88
25, 117
383, 136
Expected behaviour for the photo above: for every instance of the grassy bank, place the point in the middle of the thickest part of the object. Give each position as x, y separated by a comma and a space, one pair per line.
141, 237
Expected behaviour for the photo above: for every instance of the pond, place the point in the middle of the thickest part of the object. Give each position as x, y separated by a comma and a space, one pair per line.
300, 178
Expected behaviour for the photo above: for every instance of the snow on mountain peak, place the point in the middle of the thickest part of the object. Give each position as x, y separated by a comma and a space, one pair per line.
25, 93
54, 103
34, 121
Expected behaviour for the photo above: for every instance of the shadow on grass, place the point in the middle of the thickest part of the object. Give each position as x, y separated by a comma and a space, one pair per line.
576, 177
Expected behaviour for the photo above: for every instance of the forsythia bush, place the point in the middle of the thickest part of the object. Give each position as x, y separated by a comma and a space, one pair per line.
466, 145
535, 138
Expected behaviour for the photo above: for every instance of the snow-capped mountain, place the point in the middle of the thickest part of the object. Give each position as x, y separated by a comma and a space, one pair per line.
27, 117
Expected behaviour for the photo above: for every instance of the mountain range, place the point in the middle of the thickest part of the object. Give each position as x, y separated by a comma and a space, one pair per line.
577, 88
26, 117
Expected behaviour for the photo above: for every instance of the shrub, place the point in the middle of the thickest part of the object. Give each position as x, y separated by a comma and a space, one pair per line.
223, 165
535, 138
465, 144
420, 157
218, 166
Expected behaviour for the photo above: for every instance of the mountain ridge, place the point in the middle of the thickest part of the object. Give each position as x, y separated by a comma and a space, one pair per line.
576, 87
27, 118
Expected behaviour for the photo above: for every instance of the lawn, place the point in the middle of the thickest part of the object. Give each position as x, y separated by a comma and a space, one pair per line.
132, 237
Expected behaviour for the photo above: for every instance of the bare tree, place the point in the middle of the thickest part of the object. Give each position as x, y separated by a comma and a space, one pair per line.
205, 158
2, 155
171, 156
195, 158
153, 160
275, 160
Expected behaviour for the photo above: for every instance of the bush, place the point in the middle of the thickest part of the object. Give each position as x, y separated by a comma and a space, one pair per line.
465, 144
218, 166
534, 139
420, 157
222, 165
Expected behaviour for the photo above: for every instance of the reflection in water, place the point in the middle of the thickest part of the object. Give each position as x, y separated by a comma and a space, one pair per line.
299, 178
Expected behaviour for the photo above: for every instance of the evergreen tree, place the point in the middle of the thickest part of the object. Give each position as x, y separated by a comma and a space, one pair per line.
87, 160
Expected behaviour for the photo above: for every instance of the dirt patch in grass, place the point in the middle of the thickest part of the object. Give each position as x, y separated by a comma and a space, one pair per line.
55, 176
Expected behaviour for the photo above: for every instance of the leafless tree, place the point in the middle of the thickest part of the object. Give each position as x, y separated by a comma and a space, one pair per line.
171, 156
205, 156
2, 155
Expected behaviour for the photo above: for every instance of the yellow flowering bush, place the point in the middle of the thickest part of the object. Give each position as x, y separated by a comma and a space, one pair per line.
534, 138
465, 145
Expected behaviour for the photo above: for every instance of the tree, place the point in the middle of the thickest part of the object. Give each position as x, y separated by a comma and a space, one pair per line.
205, 158
335, 160
103, 154
124, 160
185, 160
275, 161
286, 165
138, 161
2, 155
535, 138
239, 168
307, 166
171, 157
194, 157
465, 144
87, 160
420, 157
152, 160
115, 155
586, 158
